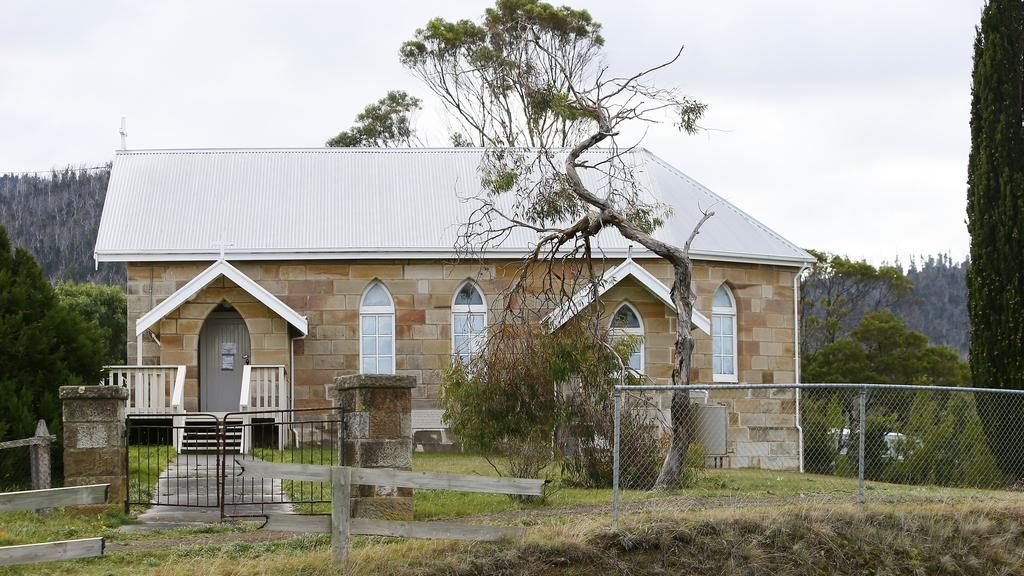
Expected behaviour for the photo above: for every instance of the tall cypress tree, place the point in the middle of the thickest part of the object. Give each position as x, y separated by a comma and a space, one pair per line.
995, 211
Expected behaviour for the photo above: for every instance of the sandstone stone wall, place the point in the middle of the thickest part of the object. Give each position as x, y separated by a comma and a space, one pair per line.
94, 438
329, 293
762, 423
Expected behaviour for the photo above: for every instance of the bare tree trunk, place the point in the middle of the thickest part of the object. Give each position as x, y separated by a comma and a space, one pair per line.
682, 409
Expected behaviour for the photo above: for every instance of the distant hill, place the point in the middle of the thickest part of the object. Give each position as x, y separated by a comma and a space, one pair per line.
55, 216
937, 306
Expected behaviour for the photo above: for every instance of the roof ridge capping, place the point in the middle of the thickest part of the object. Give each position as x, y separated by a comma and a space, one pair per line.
338, 150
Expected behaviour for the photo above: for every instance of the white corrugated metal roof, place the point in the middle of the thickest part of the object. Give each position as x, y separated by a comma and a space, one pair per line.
358, 203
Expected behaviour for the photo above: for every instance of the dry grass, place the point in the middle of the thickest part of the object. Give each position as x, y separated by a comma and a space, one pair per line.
970, 539
967, 539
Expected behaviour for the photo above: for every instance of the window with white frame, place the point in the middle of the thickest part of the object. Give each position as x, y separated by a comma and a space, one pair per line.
626, 322
469, 322
377, 331
723, 335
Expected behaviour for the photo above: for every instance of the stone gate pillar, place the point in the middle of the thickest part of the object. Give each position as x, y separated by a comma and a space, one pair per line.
377, 433
94, 438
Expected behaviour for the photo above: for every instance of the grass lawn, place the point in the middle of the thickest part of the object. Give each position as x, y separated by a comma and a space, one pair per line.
723, 485
145, 463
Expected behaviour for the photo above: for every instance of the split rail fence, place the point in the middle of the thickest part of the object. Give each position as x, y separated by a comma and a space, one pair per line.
39, 454
52, 498
342, 526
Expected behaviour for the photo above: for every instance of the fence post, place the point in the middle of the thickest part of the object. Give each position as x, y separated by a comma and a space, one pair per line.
860, 451
615, 459
39, 453
341, 512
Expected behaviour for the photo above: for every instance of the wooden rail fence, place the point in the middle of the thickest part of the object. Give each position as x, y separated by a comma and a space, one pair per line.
39, 454
341, 525
52, 498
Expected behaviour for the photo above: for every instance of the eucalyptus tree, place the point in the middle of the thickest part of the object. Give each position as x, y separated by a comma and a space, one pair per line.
529, 83
386, 123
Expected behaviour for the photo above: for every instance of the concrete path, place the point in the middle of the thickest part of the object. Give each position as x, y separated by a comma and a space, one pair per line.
186, 495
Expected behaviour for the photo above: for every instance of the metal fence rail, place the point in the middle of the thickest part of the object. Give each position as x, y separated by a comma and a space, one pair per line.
767, 444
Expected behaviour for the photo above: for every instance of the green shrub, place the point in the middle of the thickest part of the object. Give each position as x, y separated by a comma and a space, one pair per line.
876, 450
944, 444
588, 457
43, 346
822, 423
105, 307
536, 398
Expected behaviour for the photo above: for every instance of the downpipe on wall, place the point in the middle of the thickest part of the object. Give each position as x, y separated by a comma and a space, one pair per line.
796, 360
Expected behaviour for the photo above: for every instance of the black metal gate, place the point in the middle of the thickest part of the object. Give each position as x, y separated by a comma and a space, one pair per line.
194, 459
173, 460
302, 436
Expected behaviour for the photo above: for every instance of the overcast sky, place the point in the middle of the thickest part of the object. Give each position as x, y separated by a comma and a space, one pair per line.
843, 126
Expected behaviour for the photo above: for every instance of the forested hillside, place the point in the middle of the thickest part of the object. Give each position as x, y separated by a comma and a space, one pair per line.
929, 296
937, 305
55, 216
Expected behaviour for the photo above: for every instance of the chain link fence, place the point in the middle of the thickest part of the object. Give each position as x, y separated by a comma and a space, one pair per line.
817, 444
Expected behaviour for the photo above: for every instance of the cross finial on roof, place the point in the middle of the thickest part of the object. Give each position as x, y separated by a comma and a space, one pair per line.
223, 243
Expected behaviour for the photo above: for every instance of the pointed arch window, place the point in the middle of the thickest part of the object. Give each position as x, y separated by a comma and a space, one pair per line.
469, 321
627, 322
723, 336
377, 331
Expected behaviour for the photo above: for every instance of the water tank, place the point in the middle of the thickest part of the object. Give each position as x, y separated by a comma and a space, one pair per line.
712, 427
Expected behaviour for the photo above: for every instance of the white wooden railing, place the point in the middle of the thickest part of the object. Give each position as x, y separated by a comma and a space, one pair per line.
264, 388
151, 389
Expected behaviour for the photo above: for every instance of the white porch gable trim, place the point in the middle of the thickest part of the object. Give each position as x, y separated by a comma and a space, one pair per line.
611, 277
203, 279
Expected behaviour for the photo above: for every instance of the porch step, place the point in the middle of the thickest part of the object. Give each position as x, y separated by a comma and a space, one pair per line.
202, 436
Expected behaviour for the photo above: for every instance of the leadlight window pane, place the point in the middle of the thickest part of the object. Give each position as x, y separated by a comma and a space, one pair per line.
469, 296
625, 318
377, 296
369, 366
369, 345
384, 323
722, 298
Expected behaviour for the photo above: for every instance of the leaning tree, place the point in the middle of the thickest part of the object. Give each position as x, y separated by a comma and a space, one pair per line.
529, 84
